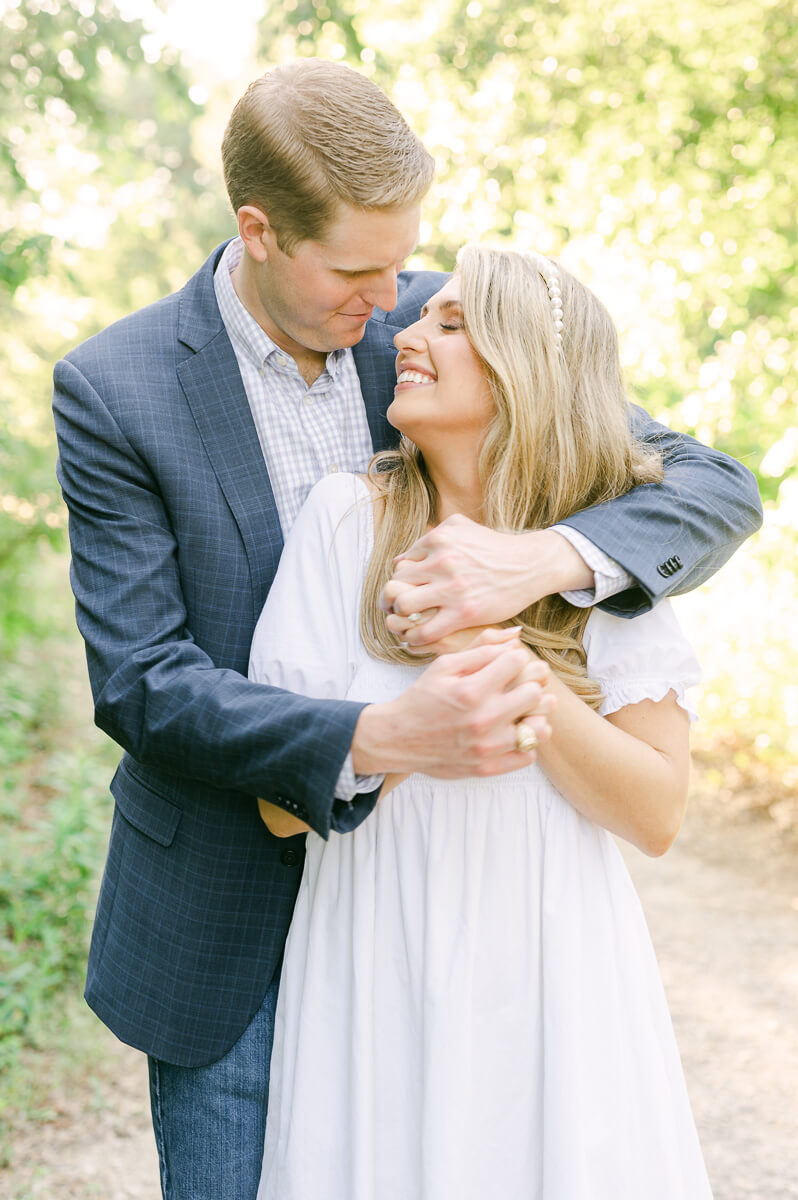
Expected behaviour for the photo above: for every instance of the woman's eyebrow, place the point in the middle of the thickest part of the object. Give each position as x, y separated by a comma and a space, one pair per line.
443, 304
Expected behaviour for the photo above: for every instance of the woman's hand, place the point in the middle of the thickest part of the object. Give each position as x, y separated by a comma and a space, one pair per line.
278, 821
536, 671
461, 639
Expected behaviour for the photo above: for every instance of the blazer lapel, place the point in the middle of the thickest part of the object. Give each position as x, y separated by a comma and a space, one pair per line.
212, 385
374, 359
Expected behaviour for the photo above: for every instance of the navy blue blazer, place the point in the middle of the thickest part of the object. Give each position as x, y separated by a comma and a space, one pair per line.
175, 541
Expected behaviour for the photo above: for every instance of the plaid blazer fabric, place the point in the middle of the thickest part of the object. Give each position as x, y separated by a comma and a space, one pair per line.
175, 541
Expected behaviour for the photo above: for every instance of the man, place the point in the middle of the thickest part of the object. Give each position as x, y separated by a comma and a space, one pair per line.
189, 434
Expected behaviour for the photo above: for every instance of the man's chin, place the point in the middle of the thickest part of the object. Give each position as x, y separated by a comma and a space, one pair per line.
351, 337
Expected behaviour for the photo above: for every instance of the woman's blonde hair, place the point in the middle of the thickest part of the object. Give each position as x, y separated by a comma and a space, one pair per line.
311, 135
559, 442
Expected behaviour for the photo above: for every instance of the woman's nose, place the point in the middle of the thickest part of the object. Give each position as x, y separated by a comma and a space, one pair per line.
411, 338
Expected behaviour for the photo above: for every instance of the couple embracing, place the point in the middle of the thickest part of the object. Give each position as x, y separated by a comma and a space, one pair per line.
420, 514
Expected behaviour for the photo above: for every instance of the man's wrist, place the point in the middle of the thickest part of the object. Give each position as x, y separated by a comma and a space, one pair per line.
553, 565
371, 739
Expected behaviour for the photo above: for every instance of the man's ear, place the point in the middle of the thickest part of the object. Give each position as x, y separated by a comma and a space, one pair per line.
256, 233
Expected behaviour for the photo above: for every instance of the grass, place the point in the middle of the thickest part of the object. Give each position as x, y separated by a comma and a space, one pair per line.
55, 811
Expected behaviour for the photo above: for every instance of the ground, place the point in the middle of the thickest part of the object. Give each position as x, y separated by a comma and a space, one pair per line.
722, 907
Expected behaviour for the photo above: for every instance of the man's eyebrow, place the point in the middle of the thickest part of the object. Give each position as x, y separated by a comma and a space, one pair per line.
443, 304
370, 270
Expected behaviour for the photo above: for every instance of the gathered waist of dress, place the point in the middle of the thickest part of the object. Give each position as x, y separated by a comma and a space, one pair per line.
528, 780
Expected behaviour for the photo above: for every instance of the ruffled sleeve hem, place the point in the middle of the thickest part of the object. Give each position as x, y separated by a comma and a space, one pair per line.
619, 693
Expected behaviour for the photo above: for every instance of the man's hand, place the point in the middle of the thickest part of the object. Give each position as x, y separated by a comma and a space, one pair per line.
462, 574
459, 718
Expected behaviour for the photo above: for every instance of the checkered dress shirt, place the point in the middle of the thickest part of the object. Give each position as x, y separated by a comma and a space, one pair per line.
304, 432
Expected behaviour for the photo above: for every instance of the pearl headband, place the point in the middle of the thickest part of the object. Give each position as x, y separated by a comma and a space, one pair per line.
551, 278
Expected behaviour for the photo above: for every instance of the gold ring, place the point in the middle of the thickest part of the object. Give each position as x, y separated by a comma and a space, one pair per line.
525, 738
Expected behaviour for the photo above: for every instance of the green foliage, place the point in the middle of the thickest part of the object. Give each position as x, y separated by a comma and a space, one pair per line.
656, 144
54, 814
102, 203
47, 881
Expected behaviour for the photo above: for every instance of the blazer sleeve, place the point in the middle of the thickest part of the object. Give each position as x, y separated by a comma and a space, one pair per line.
672, 536
156, 692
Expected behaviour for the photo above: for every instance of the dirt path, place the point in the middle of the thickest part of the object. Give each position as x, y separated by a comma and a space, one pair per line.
723, 911
726, 935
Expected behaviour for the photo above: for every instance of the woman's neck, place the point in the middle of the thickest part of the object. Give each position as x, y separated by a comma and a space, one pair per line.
456, 480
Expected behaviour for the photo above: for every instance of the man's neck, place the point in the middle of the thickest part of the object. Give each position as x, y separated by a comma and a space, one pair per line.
310, 363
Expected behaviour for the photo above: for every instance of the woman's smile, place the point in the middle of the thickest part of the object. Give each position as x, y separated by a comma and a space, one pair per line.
414, 376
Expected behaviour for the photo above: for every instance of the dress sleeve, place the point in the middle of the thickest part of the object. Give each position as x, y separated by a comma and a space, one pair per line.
306, 637
643, 659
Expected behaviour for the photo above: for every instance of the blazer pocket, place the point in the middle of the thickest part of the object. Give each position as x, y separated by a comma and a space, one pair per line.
144, 807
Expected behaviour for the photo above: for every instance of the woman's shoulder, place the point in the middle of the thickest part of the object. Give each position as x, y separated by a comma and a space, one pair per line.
332, 498
336, 488
650, 644
338, 513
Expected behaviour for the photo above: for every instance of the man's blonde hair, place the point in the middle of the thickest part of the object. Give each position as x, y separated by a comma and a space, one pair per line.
560, 440
311, 135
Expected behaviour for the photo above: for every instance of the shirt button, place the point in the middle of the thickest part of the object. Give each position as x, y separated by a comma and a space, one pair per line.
309, 399
289, 858
332, 468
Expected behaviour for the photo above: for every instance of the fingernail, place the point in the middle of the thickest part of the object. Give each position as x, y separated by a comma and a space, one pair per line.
405, 645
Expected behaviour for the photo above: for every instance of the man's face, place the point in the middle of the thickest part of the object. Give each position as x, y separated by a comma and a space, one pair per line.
321, 297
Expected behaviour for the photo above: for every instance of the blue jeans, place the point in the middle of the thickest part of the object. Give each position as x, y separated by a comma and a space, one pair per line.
210, 1122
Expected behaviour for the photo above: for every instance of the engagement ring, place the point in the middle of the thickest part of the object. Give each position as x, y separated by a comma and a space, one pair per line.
525, 738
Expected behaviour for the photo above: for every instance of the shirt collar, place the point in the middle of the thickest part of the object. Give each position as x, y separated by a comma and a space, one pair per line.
239, 322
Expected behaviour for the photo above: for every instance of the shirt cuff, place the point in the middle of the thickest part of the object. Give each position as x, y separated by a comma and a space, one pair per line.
609, 577
349, 784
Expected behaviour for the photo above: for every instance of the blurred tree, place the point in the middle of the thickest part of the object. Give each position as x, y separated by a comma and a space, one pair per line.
657, 144
102, 202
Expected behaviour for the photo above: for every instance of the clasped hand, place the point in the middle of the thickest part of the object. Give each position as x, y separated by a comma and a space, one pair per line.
462, 575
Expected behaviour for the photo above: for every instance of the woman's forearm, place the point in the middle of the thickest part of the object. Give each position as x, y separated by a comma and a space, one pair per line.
627, 772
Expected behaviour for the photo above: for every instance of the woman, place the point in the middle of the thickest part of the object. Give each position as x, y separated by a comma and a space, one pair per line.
470, 1005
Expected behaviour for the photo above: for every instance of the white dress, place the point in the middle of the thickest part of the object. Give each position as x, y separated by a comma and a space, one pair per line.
470, 1006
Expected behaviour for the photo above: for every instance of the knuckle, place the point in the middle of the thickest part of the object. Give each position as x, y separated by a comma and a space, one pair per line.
447, 561
476, 726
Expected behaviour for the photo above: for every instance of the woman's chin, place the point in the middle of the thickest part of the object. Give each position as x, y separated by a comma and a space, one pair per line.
398, 416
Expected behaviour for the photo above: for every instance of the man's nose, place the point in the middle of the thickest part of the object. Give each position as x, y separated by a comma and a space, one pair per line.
382, 292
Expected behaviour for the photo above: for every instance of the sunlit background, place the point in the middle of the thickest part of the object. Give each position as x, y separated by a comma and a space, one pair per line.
652, 143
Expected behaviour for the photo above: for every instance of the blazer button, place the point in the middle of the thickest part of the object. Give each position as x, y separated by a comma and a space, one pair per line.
289, 858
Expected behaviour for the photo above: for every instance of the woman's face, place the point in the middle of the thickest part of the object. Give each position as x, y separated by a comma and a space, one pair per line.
442, 398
